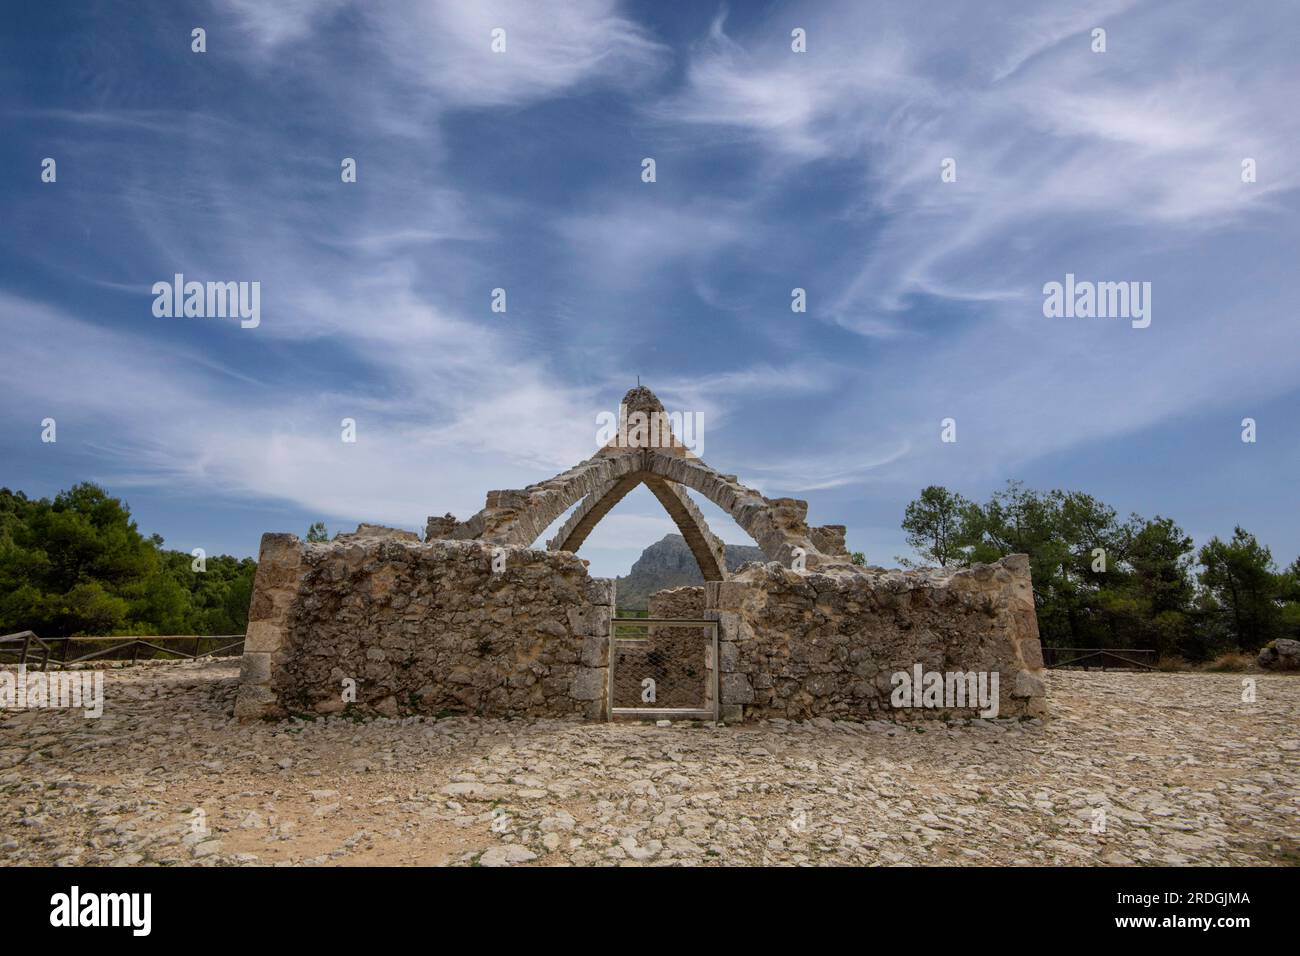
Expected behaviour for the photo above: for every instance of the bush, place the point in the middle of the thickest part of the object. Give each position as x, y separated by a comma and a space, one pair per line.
1233, 661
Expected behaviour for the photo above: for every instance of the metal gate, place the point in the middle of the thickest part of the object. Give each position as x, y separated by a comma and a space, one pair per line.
663, 667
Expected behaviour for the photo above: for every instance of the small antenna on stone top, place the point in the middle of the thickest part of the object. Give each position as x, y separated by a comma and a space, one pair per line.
638, 381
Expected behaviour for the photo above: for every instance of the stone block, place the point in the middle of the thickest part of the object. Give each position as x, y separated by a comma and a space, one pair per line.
442, 527
255, 668
254, 702
588, 684
1031, 652
736, 689
261, 607
726, 595
601, 591
279, 548
1026, 623
829, 539
262, 637
728, 621
595, 651
1017, 563
590, 620
1028, 684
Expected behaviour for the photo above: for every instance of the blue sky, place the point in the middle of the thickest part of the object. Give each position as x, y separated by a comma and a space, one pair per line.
775, 170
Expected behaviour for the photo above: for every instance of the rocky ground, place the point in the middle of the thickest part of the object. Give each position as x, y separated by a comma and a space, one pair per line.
1184, 772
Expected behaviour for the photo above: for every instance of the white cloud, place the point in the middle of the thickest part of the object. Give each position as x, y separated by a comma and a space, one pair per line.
793, 103
271, 25
444, 47
1122, 166
625, 242
171, 416
1041, 128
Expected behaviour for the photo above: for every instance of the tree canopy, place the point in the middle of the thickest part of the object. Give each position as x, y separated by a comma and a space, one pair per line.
1104, 582
77, 564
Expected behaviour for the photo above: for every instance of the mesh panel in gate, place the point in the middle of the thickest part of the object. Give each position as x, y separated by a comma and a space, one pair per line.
665, 666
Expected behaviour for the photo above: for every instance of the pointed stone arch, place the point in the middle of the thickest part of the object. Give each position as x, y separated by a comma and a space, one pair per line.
518, 517
708, 549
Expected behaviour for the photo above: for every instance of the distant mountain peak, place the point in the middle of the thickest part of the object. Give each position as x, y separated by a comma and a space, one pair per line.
668, 563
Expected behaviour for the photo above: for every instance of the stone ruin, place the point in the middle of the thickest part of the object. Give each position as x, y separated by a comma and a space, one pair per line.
474, 619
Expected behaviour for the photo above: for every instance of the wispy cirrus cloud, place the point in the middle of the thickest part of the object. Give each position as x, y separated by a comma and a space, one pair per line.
445, 48
1119, 164
626, 242
234, 435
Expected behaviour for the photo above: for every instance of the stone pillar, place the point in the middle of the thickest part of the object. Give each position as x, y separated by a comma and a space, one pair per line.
279, 564
723, 601
591, 681
1028, 687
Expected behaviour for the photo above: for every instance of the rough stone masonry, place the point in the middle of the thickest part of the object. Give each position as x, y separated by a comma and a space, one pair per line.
474, 620
382, 623
828, 643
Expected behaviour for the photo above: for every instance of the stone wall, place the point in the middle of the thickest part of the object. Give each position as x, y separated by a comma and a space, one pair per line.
827, 644
684, 602
423, 627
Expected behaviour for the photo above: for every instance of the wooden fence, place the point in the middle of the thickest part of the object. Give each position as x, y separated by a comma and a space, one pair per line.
1115, 658
26, 648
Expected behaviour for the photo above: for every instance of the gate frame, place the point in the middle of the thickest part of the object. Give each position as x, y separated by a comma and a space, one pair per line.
664, 712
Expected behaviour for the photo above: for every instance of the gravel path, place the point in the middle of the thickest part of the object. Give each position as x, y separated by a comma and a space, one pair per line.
1181, 771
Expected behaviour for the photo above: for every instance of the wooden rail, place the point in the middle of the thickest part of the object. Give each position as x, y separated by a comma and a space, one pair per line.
1117, 658
28, 646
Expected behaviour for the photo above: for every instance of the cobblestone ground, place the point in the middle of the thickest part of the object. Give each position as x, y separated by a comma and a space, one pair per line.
1184, 771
